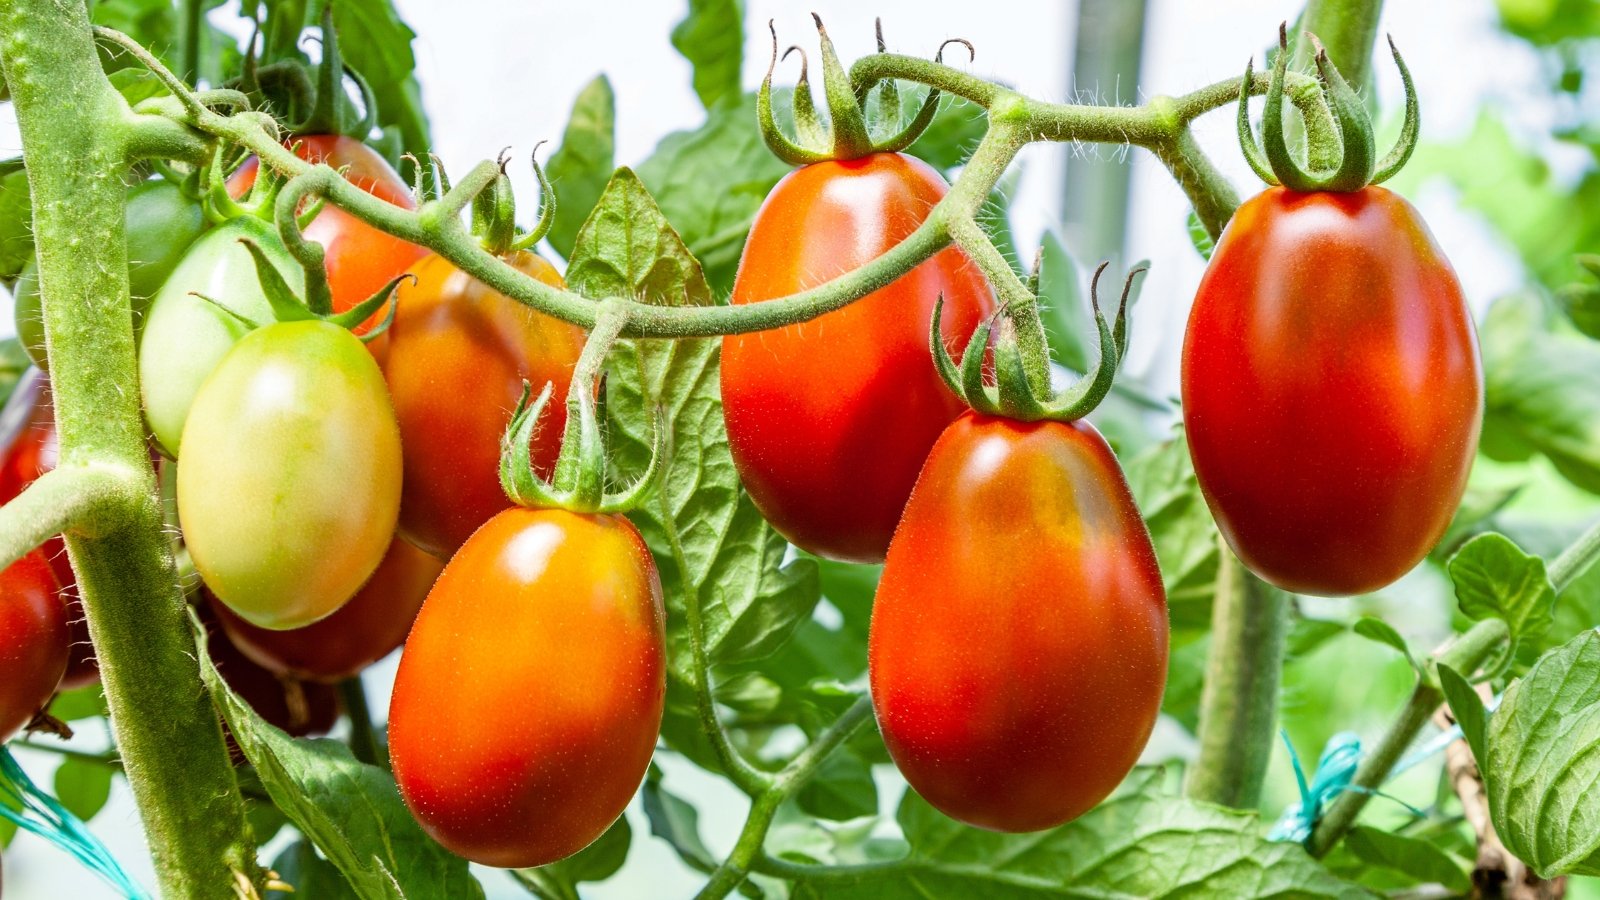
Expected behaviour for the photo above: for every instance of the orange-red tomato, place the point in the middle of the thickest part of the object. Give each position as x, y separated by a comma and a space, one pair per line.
1018, 645
31, 448
360, 259
459, 352
361, 632
830, 420
530, 691
33, 640
1332, 391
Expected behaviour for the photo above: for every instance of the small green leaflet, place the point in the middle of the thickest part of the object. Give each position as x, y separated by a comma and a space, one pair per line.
711, 38
581, 166
1494, 578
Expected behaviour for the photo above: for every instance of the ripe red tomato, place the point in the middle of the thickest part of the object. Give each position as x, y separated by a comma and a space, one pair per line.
360, 259
29, 448
530, 691
1332, 391
358, 634
458, 355
33, 640
1018, 645
829, 421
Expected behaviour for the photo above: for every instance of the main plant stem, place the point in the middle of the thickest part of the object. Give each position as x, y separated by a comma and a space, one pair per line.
1239, 703
167, 732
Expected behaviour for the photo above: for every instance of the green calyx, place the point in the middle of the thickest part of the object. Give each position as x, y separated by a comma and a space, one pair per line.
315, 101
1018, 344
1351, 144
494, 210
579, 480
287, 306
848, 134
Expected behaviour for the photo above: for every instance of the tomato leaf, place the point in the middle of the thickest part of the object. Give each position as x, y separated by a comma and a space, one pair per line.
1418, 859
83, 787
1062, 306
1494, 578
581, 166
350, 810
1168, 495
675, 821
596, 862
1200, 237
375, 42
1541, 390
711, 38
1139, 843
1468, 709
16, 224
715, 548
709, 182
310, 875
1375, 629
1540, 765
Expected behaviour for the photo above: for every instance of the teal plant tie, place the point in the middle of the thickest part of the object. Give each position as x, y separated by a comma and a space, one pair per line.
23, 803
1335, 770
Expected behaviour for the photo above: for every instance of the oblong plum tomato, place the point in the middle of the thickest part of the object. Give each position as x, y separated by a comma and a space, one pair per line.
360, 259
1332, 391
300, 708
289, 485
530, 691
459, 352
358, 634
830, 420
29, 448
33, 640
185, 337
161, 220
1018, 645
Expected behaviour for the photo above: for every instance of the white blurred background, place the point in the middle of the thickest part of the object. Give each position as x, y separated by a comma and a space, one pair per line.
505, 73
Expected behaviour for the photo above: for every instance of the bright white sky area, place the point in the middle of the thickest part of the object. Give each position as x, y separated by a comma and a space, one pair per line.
505, 73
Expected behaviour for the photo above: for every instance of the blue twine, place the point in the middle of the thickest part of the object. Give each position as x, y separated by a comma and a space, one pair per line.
23, 803
1336, 768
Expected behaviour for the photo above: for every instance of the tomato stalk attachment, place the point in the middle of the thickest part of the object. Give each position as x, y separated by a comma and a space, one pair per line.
494, 210
848, 135
1017, 348
1352, 141
288, 307
579, 480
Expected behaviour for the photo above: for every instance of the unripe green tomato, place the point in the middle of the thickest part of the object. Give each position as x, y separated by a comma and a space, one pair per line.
185, 337
162, 221
289, 484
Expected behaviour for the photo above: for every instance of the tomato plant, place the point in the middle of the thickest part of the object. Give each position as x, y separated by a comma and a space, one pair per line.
774, 462
301, 404
33, 640
1017, 695
1332, 405
555, 620
459, 353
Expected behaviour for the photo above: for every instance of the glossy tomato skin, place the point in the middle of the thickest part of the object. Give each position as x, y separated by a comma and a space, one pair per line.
530, 691
289, 485
29, 448
161, 221
360, 259
33, 640
829, 421
458, 355
185, 337
1018, 646
1332, 390
358, 634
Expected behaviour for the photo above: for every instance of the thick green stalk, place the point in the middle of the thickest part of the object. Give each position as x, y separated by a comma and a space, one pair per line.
1576, 559
1107, 50
166, 730
1239, 704
1348, 28
1465, 655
